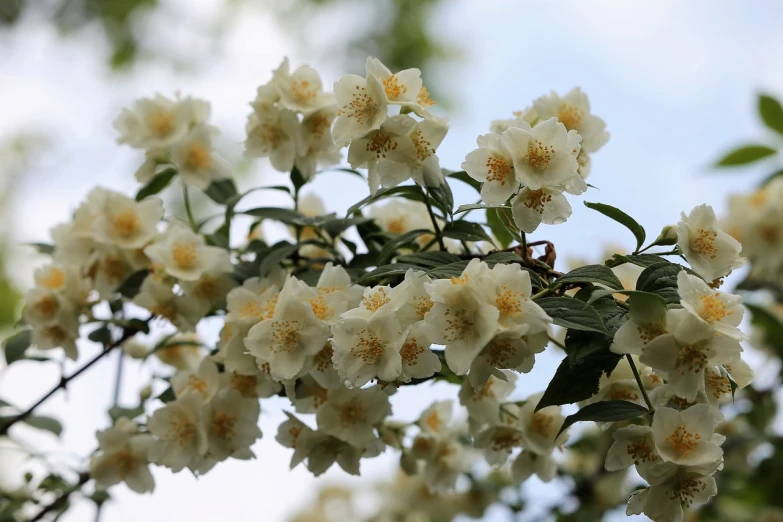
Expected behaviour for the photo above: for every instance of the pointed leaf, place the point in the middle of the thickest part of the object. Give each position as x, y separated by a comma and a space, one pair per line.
572, 313
159, 181
622, 218
771, 113
592, 274
745, 155
605, 411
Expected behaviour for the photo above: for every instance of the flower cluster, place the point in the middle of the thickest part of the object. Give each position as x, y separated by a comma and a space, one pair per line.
338, 321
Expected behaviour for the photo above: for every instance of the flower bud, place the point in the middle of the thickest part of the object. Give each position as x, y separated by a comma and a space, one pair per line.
134, 349
145, 393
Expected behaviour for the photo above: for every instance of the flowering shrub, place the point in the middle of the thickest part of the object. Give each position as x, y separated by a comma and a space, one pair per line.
402, 289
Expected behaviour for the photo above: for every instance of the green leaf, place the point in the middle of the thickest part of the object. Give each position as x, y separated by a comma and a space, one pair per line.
771, 112
159, 181
43, 422
284, 215
131, 286
745, 155
100, 335
572, 313
167, 396
604, 411
412, 192
592, 274
277, 253
622, 218
395, 269
642, 260
115, 412
297, 180
221, 191
403, 240
15, 345
465, 231
42, 248
499, 227
578, 382
335, 226
463, 177
433, 259
476, 206
661, 279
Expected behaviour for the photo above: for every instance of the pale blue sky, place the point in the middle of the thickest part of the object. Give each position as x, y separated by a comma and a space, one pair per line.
674, 80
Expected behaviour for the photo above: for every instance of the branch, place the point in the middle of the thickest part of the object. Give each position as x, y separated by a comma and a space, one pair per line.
127, 333
63, 498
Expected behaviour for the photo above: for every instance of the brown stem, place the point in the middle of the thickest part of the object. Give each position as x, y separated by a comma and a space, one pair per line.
62, 499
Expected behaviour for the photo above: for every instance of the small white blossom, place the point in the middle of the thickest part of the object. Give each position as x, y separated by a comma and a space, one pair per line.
361, 107
126, 223
160, 121
272, 132
687, 437
316, 147
633, 445
350, 415
573, 111
230, 422
159, 298
546, 205
492, 164
301, 90
123, 456
180, 437
186, 256
720, 310
204, 381
197, 163
710, 251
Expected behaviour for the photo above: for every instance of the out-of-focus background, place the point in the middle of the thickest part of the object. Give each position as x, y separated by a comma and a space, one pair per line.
675, 81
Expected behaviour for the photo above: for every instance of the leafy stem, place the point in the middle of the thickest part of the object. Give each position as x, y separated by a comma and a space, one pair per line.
438, 233
641, 385
188, 209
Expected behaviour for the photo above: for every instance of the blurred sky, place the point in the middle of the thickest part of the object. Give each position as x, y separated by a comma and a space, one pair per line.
674, 80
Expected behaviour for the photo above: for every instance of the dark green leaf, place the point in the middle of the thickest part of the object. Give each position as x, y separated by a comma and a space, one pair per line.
592, 274
499, 227
42, 248
335, 226
412, 192
578, 382
443, 198
115, 412
349, 244
159, 181
643, 260
463, 177
43, 422
100, 335
572, 313
433, 259
131, 286
661, 279
297, 179
476, 206
604, 411
745, 155
771, 112
277, 253
15, 345
167, 396
284, 215
395, 269
446, 271
622, 218
465, 231
221, 191
403, 240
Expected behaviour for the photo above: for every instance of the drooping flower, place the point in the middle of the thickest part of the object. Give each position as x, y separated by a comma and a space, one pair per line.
197, 163
350, 415
230, 422
180, 437
126, 223
272, 132
546, 205
316, 147
123, 456
204, 381
721, 310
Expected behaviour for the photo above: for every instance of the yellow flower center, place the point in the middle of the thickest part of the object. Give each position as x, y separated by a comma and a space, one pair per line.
570, 116
352, 412
321, 310
649, 331
375, 300
184, 255
539, 155
423, 98
642, 451
285, 336
53, 279
303, 92
380, 144
542, 423
498, 169
536, 199
369, 348
362, 106
682, 441
244, 384
161, 123
703, 243
712, 308
126, 223
393, 87
411, 351
460, 327
224, 426
198, 158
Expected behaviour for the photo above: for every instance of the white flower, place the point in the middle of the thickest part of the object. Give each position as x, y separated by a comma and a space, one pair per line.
687, 437
288, 435
545, 156
361, 107
436, 418
289, 337
527, 116
204, 381
306, 394
62, 332
540, 427
153, 158
416, 302
672, 488
685, 354
528, 463
251, 384
44, 306
368, 348
510, 294
399, 216
230, 422
184, 254
197, 163
350, 415
180, 437
647, 320
460, 317
546, 205
573, 111
183, 351
251, 303
384, 151
159, 122
633, 445
159, 298
123, 456
209, 290
418, 361
711, 252
301, 90
323, 450
492, 165
272, 132
126, 223
720, 310
444, 456
108, 266
511, 350
422, 163
400, 88
498, 441
316, 147
483, 404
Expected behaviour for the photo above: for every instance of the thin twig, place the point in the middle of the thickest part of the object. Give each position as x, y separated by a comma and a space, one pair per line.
435, 225
641, 385
62, 499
